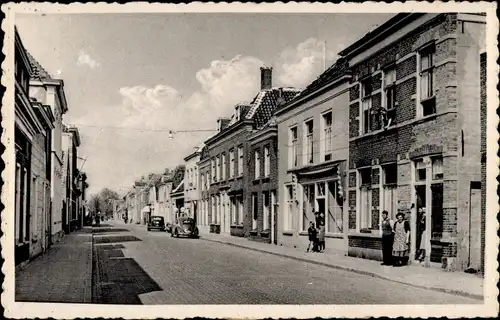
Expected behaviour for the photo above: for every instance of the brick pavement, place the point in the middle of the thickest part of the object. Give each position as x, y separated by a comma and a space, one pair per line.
415, 275
63, 274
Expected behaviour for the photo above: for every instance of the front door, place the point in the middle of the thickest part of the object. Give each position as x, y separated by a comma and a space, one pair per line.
274, 215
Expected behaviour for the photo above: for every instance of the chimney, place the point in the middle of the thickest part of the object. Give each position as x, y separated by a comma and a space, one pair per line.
266, 78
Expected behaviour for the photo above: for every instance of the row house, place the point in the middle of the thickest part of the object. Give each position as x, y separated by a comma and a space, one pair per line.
229, 155
71, 209
34, 122
164, 200
313, 133
177, 194
204, 223
414, 136
191, 186
48, 91
263, 168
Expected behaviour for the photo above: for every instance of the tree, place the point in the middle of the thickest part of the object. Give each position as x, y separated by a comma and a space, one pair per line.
95, 203
107, 196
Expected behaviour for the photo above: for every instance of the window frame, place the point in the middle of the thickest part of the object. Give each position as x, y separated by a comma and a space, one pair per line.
240, 161
267, 161
326, 149
256, 153
427, 100
293, 144
308, 141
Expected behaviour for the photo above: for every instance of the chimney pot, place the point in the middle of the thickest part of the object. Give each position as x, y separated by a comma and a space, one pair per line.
266, 78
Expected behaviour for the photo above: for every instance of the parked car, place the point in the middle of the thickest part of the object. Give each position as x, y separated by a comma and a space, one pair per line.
156, 222
186, 227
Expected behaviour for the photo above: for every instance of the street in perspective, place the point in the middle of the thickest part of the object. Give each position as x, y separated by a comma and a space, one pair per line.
251, 158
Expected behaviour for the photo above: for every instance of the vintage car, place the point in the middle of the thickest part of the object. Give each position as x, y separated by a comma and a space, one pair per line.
186, 227
157, 223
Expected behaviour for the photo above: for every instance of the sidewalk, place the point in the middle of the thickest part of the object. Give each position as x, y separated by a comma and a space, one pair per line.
417, 276
62, 274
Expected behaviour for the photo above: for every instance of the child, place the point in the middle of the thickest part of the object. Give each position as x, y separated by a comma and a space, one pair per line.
312, 237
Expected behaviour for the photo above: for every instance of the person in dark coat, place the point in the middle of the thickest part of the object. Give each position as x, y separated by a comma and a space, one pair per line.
312, 233
387, 238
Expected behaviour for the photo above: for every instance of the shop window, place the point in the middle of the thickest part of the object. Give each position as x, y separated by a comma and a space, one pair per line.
308, 141
335, 204
255, 211
266, 204
308, 206
327, 137
293, 148
390, 96
389, 196
287, 221
365, 192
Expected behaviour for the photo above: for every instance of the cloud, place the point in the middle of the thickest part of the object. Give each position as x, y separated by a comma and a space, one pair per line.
85, 59
299, 66
150, 112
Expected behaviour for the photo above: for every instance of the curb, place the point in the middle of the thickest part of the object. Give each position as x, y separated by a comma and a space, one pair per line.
367, 273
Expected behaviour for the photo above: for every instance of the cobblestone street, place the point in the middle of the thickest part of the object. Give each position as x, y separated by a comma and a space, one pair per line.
141, 267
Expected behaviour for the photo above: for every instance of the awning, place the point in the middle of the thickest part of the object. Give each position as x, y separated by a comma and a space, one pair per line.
145, 209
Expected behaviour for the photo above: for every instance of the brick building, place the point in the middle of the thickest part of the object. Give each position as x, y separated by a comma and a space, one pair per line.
32, 145
313, 140
192, 185
414, 135
483, 155
262, 189
229, 154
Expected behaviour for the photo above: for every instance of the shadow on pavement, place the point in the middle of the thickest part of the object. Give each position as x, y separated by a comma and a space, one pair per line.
119, 280
117, 238
102, 230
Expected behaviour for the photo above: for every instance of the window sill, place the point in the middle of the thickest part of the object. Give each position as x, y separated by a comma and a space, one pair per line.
287, 233
372, 234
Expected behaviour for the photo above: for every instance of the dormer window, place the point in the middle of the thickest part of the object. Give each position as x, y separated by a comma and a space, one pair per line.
237, 113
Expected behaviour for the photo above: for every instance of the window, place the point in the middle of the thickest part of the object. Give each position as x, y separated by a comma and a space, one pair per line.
234, 214
257, 163
202, 182
255, 211
366, 105
308, 206
389, 197
218, 159
22, 186
195, 182
327, 137
231, 163
390, 96
437, 168
426, 81
214, 210
287, 223
240, 161
334, 221
420, 171
240, 209
365, 198
267, 162
308, 139
293, 148
223, 160
266, 204
213, 170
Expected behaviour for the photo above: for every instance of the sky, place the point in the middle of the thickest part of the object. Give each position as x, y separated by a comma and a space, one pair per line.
131, 78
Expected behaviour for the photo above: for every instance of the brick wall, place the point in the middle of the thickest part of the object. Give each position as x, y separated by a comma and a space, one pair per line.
411, 138
483, 156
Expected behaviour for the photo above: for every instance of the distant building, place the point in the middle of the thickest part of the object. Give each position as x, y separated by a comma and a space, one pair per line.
72, 219
177, 194
191, 186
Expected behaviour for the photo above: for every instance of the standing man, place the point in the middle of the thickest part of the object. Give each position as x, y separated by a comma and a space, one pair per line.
387, 238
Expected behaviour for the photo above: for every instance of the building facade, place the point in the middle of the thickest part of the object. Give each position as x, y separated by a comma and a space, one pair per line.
191, 185
49, 91
313, 133
32, 137
72, 219
263, 187
164, 190
229, 154
414, 136
204, 179
177, 194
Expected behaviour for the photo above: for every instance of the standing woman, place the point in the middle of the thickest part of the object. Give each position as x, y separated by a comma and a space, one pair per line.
321, 233
401, 239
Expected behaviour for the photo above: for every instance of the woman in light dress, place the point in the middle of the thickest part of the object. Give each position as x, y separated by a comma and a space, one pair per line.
401, 239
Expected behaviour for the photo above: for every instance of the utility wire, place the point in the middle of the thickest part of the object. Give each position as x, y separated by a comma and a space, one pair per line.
139, 129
